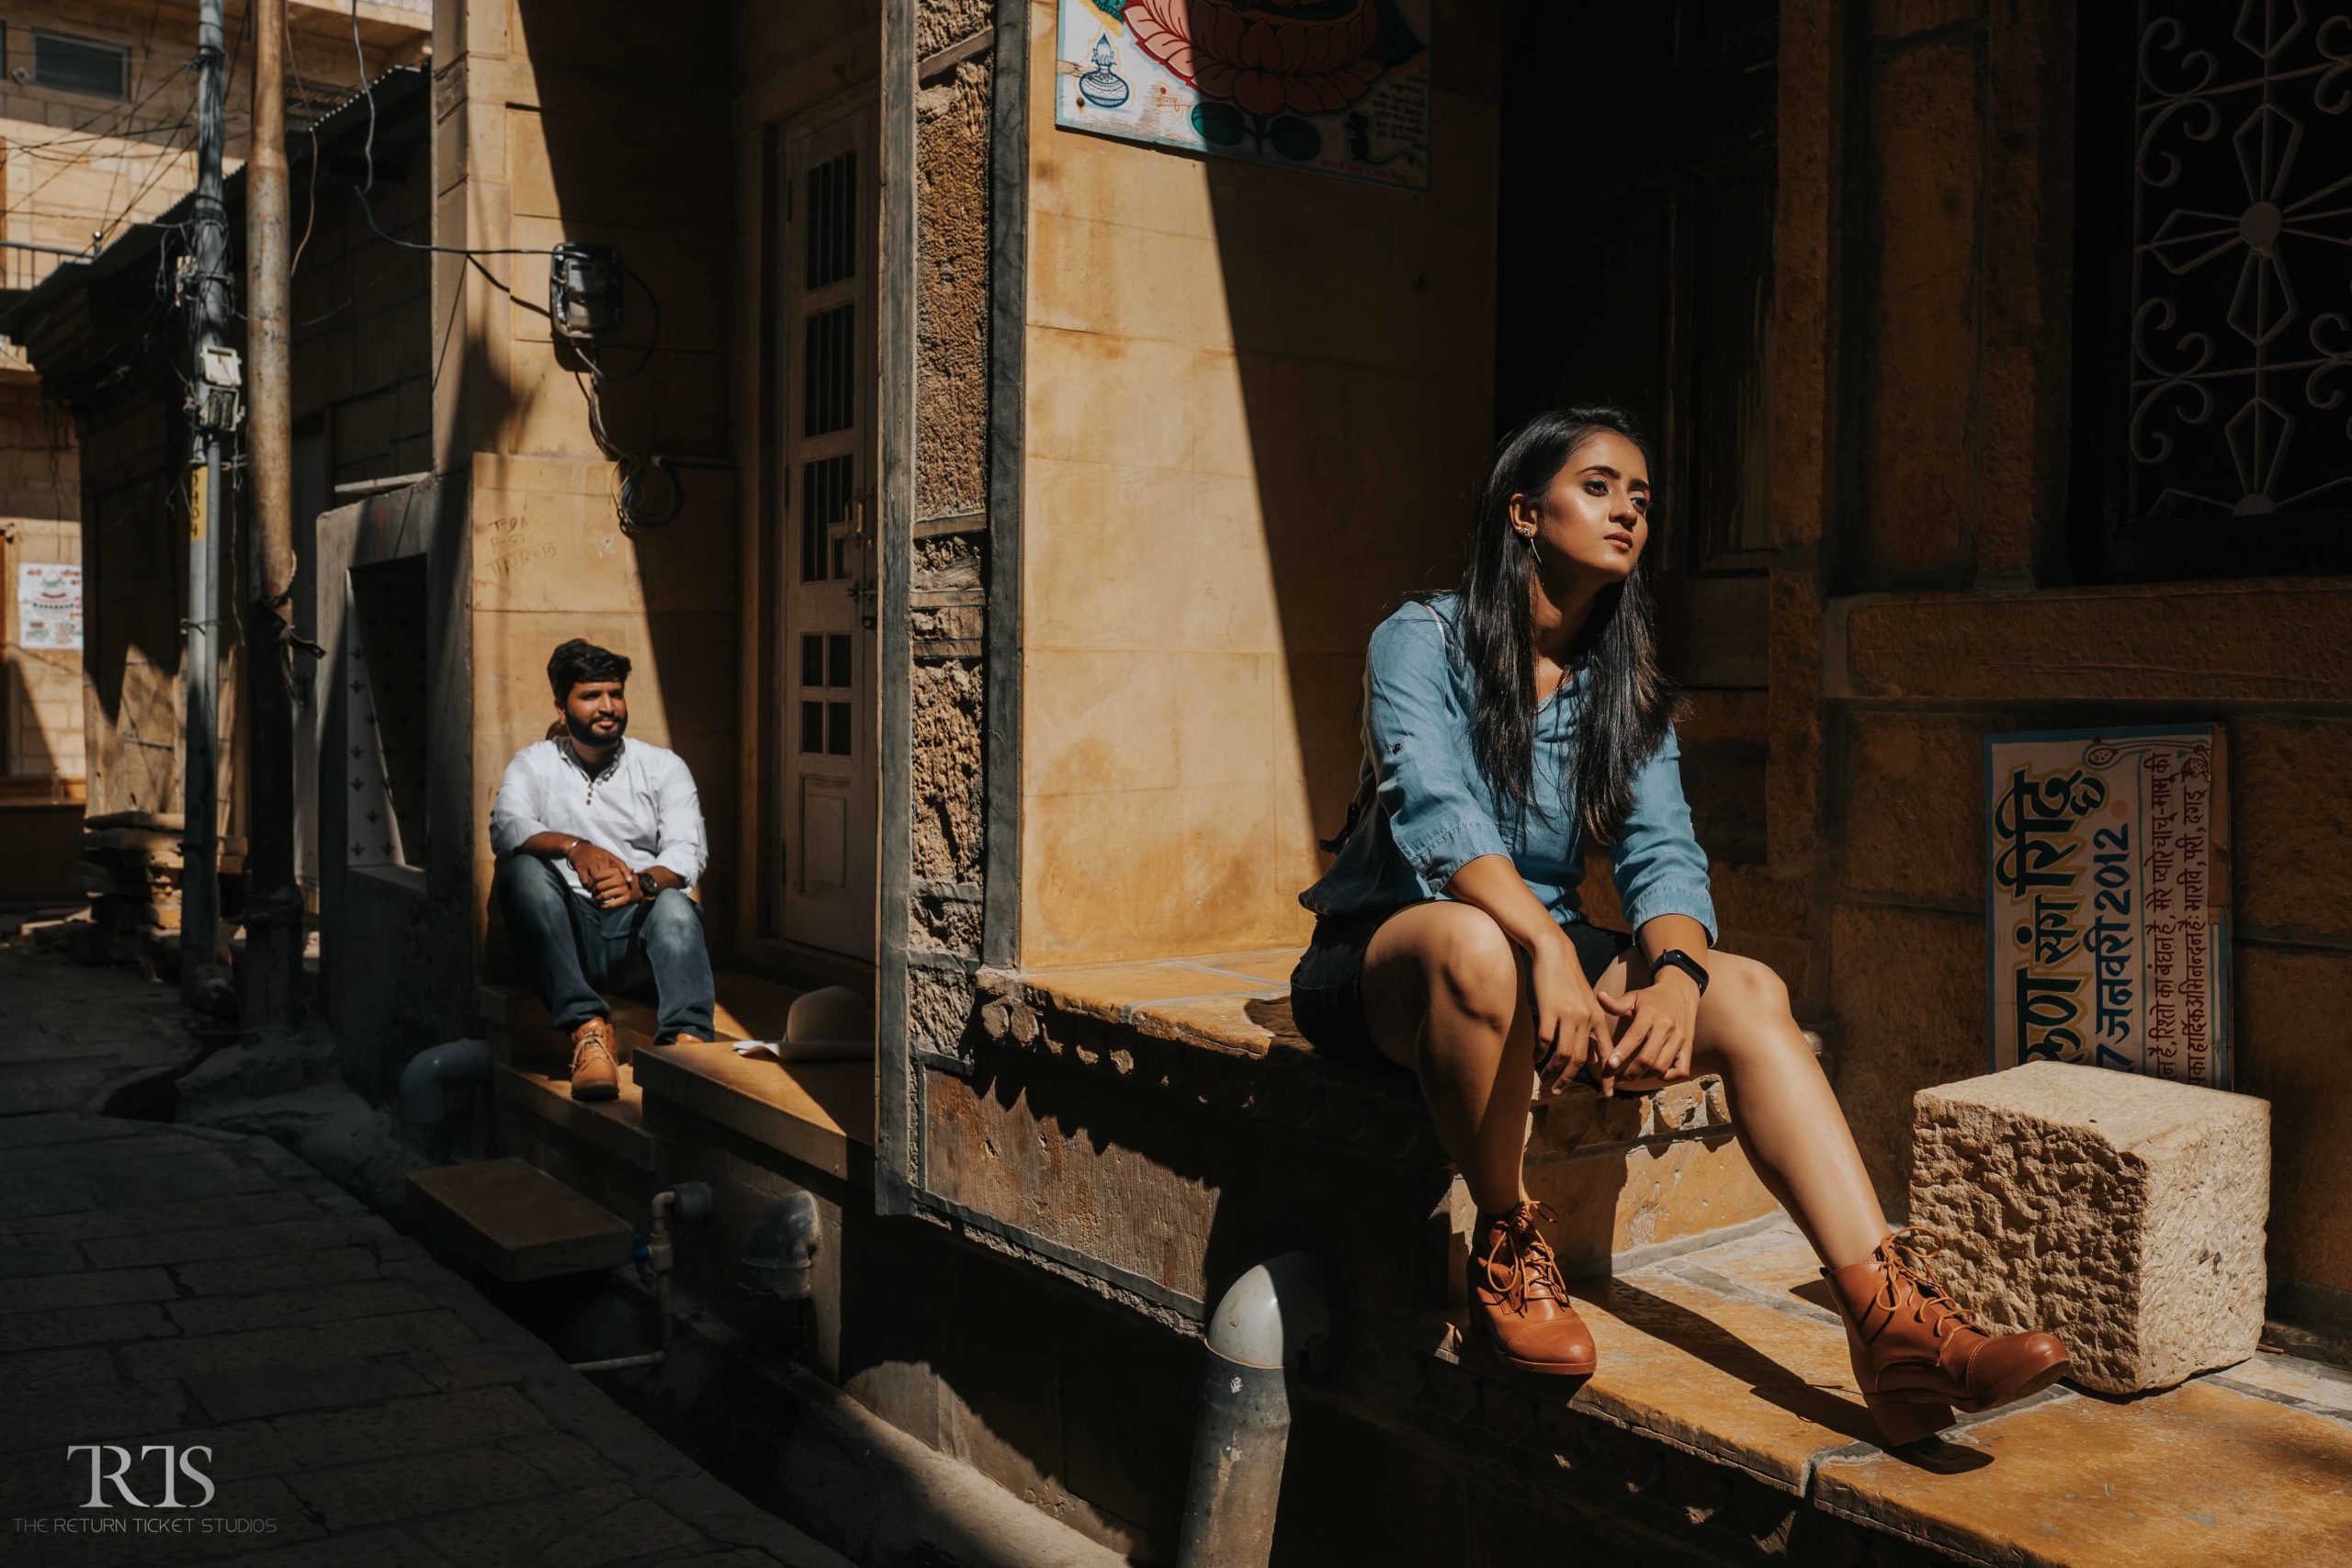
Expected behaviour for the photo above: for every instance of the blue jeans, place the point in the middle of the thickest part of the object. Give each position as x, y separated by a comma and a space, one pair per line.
569, 947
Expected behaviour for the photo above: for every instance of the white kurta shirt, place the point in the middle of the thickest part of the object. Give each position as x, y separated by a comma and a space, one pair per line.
643, 808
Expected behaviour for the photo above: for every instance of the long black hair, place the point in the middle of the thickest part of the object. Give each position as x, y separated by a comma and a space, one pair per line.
1626, 701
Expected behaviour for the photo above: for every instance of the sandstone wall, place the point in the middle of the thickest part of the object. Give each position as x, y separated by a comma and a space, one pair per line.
610, 126
1921, 603
1258, 400
40, 521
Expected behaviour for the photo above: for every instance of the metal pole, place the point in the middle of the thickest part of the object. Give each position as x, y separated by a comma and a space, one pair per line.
207, 307
273, 903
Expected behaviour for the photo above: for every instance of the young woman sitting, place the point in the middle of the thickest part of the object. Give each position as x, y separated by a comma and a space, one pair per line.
1506, 725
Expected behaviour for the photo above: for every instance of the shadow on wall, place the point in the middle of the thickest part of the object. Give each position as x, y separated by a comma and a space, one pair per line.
40, 824
1362, 322
1260, 396
630, 145
35, 746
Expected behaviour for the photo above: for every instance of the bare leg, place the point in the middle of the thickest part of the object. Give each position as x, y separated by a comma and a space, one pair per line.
1787, 1119
1442, 993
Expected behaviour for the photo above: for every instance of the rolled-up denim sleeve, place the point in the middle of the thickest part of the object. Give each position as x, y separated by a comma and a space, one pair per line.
1654, 857
1420, 742
515, 815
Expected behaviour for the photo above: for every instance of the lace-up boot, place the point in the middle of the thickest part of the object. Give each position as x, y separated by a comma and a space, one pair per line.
1517, 1294
1918, 1354
596, 1074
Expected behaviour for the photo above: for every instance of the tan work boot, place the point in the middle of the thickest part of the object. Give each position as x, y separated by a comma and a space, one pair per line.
1517, 1294
596, 1074
1918, 1354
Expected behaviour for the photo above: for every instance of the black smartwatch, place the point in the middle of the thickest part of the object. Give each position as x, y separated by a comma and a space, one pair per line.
1675, 958
651, 888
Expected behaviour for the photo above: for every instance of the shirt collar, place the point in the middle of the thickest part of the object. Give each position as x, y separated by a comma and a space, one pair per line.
563, 747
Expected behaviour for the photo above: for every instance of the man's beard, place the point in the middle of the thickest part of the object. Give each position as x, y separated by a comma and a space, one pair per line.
584, 734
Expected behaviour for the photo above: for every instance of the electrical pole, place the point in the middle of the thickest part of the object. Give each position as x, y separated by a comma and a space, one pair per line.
205, 298
273, 903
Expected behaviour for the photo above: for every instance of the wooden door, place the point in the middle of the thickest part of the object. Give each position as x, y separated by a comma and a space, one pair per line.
827, 724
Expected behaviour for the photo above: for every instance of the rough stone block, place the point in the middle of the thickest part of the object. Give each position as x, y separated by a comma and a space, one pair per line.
2123, 1213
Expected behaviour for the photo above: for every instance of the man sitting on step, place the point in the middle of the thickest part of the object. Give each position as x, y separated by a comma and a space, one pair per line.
597, 839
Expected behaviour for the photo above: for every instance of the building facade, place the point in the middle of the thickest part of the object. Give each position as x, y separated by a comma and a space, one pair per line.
97, 141
996, 508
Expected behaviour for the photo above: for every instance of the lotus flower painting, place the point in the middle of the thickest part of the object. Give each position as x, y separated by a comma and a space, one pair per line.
1337, 86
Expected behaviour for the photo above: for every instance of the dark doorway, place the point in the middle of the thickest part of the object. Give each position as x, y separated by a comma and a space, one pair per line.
1635, 267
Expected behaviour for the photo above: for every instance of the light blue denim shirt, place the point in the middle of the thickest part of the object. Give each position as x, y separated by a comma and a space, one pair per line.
1423, 809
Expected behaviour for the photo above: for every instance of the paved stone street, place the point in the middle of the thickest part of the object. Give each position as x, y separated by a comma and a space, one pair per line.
68, 1032
182, 1288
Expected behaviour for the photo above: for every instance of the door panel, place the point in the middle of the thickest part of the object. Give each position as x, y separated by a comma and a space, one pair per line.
827, 369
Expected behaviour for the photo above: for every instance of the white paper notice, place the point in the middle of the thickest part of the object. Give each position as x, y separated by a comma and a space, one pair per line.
49, 606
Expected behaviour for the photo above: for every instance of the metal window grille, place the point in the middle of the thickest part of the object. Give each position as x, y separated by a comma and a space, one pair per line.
829, 371
832, 221
824, 509
2220, 357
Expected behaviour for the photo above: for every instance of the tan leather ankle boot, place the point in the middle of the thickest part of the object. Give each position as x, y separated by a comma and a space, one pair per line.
595, 1073
1516, 1292
1918, 1354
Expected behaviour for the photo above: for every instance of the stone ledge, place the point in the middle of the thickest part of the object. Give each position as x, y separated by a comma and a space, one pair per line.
616, 1125
1725, 1399
1218, 1027
818, 1114
2197, 643
516, 1021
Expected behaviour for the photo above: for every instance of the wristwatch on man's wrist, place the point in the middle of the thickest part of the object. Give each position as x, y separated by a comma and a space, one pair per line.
1675, 958
651, 888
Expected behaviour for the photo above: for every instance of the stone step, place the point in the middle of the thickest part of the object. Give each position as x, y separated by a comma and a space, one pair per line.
819, 1113
616, 1125
1724, 1397
516, 1221
516, 1021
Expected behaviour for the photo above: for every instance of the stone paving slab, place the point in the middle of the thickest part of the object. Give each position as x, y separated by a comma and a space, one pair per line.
2200, 1474
1727, 1352
362, 1404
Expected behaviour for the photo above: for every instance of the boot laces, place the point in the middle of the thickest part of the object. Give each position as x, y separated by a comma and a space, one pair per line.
1905, 1255
594, 1043
1519, 1261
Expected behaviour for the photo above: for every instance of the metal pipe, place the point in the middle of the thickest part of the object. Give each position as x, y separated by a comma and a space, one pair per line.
273, 965
1262, 1325
376, 486
690, 1200
429, 1071
207, 519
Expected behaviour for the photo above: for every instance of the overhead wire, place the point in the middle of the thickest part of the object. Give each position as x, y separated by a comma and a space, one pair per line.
629, 470
23, 202
146, 55
164, 159
310, 125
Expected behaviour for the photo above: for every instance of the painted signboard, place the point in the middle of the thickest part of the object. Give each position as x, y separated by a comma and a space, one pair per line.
1340, 87
2107, 894
49, 606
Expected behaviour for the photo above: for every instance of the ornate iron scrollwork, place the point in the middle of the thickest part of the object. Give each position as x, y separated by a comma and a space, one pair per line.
2241, 290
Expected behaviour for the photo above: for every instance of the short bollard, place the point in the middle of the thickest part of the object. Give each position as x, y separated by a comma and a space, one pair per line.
1256, 1337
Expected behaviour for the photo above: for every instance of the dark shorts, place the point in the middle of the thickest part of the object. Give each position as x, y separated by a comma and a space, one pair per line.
1327, 987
